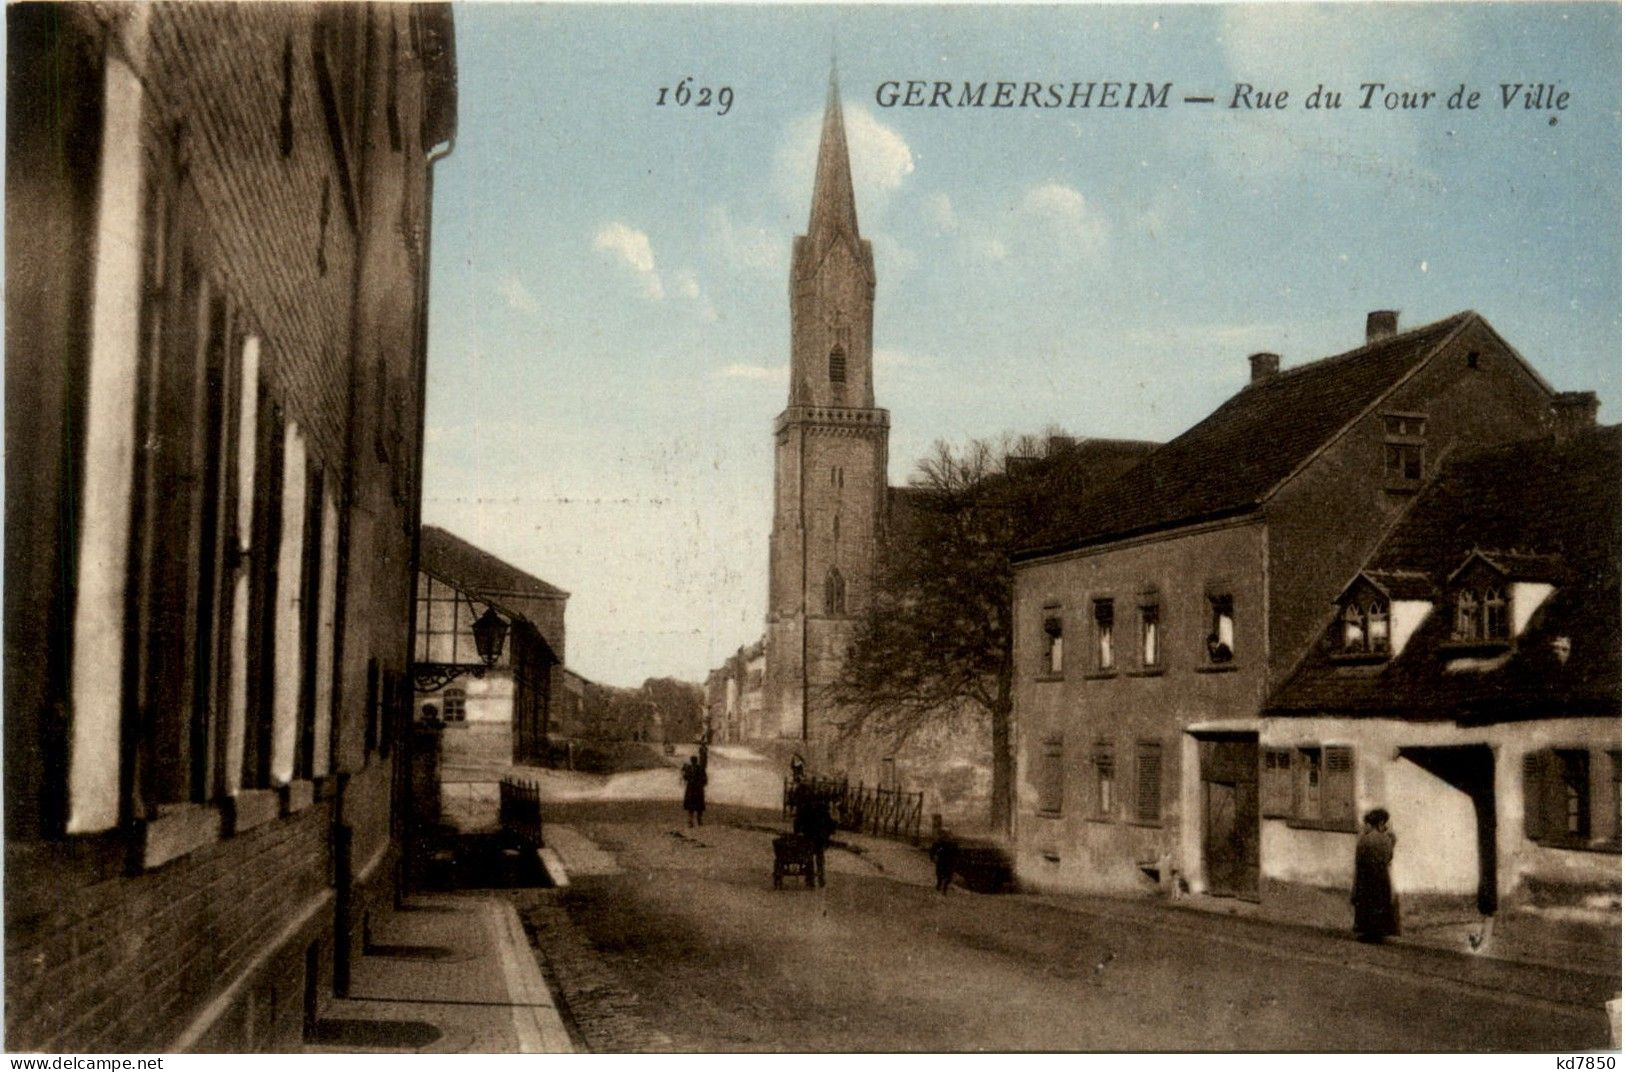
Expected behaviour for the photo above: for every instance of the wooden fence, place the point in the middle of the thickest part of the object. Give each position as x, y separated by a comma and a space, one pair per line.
863, 810
520, 810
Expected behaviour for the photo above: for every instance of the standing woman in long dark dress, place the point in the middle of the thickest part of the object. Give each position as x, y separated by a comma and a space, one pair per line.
1376, 916
694, 791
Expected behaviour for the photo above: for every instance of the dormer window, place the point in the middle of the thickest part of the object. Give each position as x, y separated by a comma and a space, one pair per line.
1365, 626
1481, 613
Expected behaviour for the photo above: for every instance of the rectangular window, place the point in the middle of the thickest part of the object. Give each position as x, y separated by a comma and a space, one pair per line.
1148, 782
1049, 778
1104, 799
1275, 783
1404, 436
1563, 807
1309, 779
1052, 661
1221, 637
1150, 634
1574, 769
1105, 658
1310, 785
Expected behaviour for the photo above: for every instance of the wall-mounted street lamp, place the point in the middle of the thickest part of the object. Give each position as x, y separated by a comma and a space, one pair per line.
490, 634
490, 631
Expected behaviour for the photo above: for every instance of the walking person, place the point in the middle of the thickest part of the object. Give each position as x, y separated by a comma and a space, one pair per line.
944, 853
814, 822
1376, 914
694, 791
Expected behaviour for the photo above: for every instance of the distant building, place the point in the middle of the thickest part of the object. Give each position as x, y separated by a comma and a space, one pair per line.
498, 716
1153, 622
217, 222
1468, 682
568, 710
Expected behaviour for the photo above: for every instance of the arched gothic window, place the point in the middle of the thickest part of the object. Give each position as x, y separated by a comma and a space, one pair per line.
1495, 614
834, 592
1467, 619
837, 364
1365, 626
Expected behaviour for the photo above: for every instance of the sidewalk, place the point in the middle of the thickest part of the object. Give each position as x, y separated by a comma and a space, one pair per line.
449, 973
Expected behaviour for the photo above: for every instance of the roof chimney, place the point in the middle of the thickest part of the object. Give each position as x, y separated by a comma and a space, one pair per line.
1574, 412
1264, 365
1381, 324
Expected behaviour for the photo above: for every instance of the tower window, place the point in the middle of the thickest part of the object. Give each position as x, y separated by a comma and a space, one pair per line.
834, 592
837, 365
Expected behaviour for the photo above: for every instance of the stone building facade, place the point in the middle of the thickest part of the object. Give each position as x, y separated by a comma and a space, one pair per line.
217, 226
1188, 590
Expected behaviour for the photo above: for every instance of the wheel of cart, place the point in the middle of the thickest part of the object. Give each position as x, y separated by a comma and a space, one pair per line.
792, 855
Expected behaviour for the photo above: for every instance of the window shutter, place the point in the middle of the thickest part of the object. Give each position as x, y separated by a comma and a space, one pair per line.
1275, 783
1148, 783
1535, 766
1337, 788
1049, 778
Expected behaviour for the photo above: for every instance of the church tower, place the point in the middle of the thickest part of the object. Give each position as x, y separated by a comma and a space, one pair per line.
829, 495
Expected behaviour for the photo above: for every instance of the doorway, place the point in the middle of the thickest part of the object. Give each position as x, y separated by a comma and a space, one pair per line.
1230, 815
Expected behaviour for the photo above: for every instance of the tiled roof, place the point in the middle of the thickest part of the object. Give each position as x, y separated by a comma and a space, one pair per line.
1231, 461
1558, 503
458, 562
1403, 584
1073, 470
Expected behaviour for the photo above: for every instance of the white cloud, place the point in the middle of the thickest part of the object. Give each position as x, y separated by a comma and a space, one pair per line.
881, 159
1063, 212
515, 294
765, 373
632, 248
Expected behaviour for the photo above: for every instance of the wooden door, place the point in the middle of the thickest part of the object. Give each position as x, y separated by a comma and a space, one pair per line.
1230, 817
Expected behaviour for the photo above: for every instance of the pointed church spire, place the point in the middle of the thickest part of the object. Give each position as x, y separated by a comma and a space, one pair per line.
834, 210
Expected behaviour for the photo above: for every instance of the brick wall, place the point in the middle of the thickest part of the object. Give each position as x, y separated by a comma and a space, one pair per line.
217, 948
121, 963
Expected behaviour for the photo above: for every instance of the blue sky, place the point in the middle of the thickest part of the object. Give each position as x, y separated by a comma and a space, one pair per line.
609, 325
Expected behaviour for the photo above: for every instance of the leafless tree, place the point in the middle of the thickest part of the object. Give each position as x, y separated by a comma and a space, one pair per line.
935, 640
